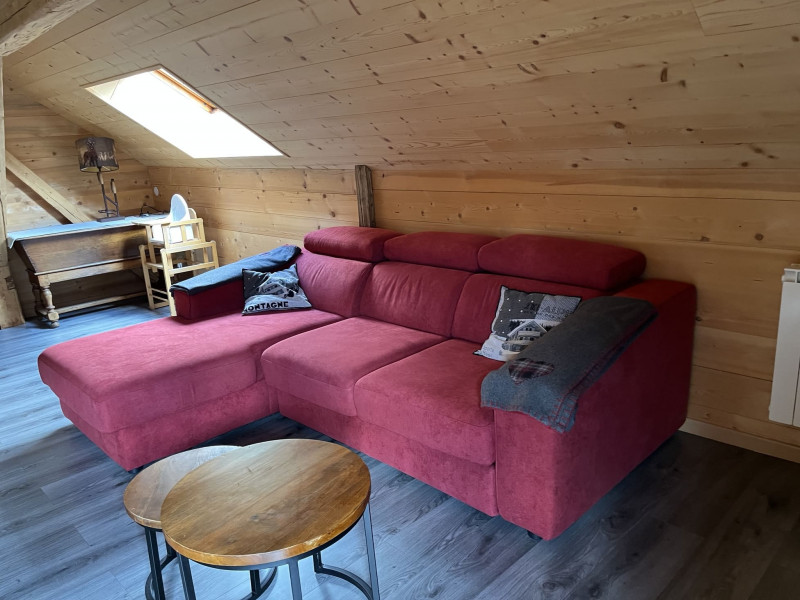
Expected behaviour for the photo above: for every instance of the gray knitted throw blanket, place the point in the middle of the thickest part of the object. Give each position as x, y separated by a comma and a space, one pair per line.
546, 379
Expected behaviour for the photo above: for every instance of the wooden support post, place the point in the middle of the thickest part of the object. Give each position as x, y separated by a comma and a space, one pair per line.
366, 201
10, 311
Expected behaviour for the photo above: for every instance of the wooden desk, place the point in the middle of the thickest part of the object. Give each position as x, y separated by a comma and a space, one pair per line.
74, 251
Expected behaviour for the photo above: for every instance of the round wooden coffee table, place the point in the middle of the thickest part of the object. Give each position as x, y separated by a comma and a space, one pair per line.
143, 500
271, 504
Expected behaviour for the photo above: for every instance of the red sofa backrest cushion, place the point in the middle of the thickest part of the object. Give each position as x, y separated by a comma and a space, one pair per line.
438, 249
478, 302
561, 260
332, 284
358, 243
416, 296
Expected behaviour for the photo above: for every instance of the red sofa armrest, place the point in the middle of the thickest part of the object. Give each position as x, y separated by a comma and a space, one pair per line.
547, 480
225, 298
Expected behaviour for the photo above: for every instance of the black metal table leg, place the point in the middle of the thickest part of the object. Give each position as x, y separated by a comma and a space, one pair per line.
154, 586
370, 590
373, 565
258, 587
294, 575
186, 578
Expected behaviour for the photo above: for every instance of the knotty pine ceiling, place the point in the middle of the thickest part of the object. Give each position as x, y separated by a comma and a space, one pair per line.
447, 84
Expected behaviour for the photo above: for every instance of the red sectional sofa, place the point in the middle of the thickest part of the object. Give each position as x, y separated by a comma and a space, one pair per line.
384, 363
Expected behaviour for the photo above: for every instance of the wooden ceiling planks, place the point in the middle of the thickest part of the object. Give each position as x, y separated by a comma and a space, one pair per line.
510, 84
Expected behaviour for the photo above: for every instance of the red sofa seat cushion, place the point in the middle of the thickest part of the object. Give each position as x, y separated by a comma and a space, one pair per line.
173, 364
562, 260
433, 397
415, 296
323, 365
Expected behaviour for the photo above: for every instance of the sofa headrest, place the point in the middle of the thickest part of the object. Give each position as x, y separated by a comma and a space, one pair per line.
438, 249
358, 243
562, 260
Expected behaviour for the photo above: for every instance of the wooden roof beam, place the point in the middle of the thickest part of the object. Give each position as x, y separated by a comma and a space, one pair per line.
22, 21
44, 190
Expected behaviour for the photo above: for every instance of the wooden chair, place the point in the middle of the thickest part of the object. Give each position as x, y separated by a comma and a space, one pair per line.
176, 245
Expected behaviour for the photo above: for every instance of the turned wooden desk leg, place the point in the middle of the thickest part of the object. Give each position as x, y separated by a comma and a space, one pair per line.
49, 309
43, 299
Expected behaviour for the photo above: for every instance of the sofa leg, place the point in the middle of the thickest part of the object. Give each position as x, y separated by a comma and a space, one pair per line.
534, 537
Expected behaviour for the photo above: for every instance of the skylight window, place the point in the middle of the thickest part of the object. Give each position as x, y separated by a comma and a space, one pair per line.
175, 112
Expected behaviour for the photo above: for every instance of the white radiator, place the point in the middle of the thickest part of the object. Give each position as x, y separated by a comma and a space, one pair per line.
784, 406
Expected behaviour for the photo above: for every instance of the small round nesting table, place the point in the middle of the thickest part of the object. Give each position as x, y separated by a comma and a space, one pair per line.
271, 504
145, 495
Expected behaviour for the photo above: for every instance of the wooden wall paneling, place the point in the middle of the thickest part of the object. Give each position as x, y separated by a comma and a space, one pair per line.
250, 222
734, 352
23, 211
775, 184
721, 16
235, 245
732, 393
730, 221
247, 211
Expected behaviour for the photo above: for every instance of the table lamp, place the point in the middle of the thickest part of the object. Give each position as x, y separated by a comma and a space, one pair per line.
96, 155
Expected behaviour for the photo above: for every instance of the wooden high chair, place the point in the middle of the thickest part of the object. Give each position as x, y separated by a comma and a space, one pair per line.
176, 244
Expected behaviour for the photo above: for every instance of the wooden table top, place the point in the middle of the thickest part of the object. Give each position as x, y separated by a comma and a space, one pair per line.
266, 502
145, 493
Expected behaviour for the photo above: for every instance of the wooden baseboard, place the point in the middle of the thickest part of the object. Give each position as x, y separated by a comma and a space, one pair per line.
743, 440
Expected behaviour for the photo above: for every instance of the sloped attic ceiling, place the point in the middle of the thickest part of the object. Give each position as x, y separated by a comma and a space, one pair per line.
433, 84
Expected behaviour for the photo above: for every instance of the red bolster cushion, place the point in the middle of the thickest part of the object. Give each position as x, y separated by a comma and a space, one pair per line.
438, 249
357, 243
561, 260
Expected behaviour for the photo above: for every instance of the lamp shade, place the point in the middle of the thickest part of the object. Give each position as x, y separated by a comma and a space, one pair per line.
96, 154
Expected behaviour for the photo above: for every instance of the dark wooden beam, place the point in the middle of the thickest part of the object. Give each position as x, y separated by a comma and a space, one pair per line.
22, 21
366, 201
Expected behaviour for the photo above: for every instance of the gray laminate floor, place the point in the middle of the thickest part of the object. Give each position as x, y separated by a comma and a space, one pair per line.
698, 520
